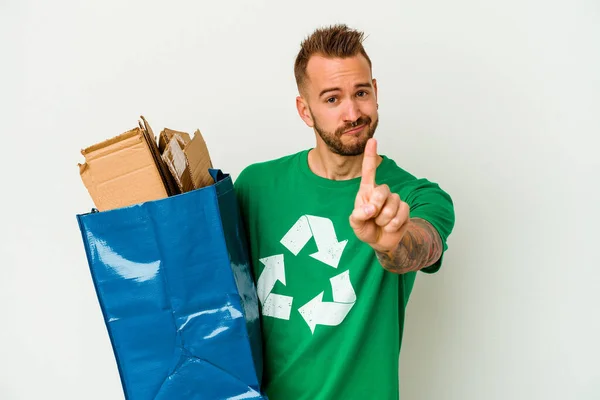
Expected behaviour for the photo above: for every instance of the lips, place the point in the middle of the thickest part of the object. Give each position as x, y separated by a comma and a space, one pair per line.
354, 130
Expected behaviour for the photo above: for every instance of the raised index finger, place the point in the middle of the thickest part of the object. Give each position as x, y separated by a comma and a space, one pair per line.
369, 165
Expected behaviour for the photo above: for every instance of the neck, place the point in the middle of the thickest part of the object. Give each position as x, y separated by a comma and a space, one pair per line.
324, 163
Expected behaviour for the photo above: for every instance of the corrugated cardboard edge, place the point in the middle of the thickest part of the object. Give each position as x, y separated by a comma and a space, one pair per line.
95, 151
95, 148
166, 176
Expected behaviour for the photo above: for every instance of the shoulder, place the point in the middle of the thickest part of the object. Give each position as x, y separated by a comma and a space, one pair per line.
265, 171
427, 200
424, 196
402, 180
397, 178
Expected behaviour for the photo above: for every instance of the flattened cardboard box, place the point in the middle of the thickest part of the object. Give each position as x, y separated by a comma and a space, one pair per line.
122, 171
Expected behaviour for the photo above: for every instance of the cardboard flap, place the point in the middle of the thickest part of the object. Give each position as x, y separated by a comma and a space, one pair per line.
167, 134
176, 160
169, 180
113, 144
199, 161
121, 171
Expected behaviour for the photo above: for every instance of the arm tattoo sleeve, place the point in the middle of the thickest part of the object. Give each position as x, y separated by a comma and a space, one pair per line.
420, 247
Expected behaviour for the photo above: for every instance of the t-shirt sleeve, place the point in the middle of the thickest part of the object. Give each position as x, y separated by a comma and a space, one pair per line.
429, 202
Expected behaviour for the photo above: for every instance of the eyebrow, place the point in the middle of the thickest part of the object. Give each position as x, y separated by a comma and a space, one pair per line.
333, 89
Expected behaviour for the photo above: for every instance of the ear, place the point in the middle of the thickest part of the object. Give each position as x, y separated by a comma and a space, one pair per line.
375, 87
304, 111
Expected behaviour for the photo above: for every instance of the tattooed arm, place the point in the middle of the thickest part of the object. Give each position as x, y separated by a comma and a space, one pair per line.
382, 219
419, 247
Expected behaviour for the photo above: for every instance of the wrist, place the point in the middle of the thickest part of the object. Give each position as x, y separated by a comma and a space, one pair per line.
389, 251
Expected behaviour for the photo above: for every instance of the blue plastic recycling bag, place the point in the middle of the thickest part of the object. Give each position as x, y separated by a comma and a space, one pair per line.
173, 281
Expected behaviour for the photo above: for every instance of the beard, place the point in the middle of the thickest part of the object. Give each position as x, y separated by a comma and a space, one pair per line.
357, 146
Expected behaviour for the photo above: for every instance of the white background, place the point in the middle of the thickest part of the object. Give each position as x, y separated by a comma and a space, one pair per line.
498, 101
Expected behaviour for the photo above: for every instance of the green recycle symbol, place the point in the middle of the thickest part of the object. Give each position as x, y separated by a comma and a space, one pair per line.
316, 311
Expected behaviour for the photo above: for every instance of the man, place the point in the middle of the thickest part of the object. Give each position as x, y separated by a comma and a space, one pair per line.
337, 233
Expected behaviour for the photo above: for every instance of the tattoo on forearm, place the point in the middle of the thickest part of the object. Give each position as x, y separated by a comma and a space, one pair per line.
420, 247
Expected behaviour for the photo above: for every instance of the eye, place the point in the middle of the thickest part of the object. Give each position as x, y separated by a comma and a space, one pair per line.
330, 100
361, 93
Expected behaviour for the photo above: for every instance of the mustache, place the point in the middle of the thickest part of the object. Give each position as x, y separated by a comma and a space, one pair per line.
366, 120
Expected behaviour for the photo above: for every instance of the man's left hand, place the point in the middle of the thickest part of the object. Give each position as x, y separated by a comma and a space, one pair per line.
380, 218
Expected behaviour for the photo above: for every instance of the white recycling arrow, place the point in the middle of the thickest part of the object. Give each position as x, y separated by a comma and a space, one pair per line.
307, 226
316, 312
273, 305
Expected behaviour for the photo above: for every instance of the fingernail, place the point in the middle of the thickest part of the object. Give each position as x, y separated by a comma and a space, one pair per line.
368, 209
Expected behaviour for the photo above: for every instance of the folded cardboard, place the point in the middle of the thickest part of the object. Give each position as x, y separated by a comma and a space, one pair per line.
164, 171
188, 161
167, 134
131, 168
174, 157
199, 161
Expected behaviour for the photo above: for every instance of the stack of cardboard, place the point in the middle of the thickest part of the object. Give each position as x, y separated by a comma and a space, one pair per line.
133, 168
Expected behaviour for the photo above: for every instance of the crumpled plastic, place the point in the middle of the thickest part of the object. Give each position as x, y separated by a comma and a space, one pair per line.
173, 281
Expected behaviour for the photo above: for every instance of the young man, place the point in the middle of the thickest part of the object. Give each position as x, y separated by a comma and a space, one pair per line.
337, 234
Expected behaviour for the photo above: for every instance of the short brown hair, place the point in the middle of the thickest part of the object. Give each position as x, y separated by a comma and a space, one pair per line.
338, 41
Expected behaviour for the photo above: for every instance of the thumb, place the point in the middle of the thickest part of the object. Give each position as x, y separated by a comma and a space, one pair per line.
361, 214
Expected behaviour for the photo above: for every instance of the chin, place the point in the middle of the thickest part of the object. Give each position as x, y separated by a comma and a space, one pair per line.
351, 150
353, 146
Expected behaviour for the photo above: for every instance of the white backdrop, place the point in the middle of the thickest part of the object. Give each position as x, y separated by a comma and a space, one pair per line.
498, 101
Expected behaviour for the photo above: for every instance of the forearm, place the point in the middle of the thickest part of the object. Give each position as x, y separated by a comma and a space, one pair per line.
420, 247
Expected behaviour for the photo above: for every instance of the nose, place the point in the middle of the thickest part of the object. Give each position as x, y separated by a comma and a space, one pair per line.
352, 111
